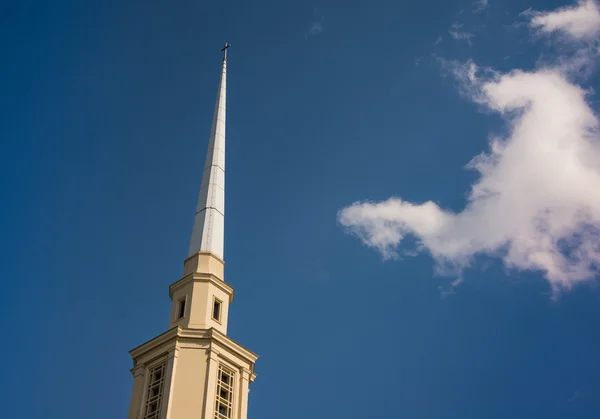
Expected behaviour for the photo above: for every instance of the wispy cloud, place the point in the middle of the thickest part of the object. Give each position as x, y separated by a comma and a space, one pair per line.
578, 26
581, 21
479, 6
315, 28
456, 33
536, 203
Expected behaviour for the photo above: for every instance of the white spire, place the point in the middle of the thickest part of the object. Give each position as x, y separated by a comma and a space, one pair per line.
209, 222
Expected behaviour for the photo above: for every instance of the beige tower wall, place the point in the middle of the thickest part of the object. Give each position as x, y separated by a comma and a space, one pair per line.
193, 358
201, 285
188, 398
162, 348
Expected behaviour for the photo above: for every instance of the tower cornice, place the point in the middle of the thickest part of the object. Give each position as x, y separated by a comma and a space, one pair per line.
202, 277
177, 336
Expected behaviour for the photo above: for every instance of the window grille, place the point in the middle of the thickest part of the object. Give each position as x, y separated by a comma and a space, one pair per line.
224, 402
154, 395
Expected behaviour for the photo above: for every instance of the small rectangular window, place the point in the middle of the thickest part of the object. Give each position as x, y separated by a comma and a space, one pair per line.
216, 314
181, 309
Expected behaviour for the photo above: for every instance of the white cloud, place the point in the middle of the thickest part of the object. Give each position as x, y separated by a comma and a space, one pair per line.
536, 203
479, 6
456, 33
581, 21
578, 25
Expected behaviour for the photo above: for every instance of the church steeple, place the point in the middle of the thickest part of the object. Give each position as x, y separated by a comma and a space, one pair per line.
194, 370
209, 223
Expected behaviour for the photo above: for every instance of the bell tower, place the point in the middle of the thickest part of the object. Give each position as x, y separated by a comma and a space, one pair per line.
194, 370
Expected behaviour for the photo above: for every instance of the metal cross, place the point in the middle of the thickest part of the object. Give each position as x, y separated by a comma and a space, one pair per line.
224, 49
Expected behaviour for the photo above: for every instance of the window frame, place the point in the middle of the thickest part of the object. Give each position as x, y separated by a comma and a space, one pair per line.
178, 308
148, 385
212, 313
229, 388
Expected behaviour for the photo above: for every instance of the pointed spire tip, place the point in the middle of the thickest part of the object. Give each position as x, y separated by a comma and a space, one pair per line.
224, 49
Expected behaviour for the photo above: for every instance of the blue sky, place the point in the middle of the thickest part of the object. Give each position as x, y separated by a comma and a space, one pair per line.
334, 108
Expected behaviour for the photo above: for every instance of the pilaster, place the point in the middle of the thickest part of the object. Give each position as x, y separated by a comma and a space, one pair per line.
139, 379
244, 389
170, 373
211, 383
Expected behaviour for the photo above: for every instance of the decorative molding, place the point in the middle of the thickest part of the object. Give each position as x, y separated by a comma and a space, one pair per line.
211, 339
155, 342
202, 277
235, 347
203, 254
